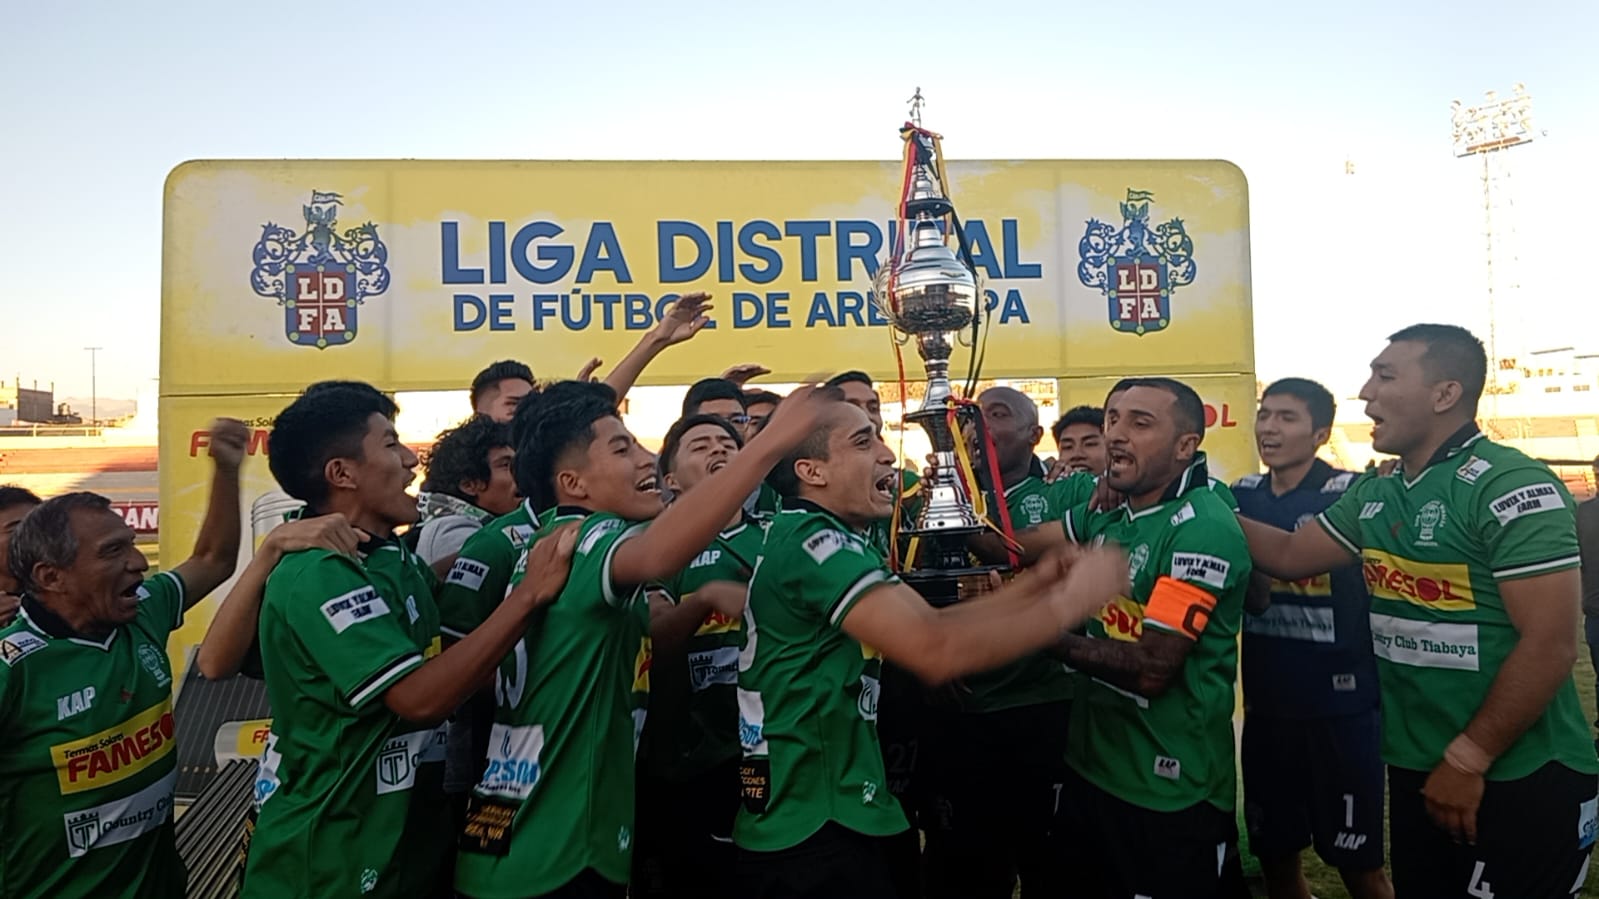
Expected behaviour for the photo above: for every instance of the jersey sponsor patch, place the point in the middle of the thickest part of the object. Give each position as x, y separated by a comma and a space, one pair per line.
1338, 483
712, 667
1186, 513
717, 623
1312, 624
403, 754
116, 753
468, 573
74, 703
1587, 823
1205, 569
1425, 644
519, 535
821, 545
267, 780
120, 820
1344, 683
1123, 619
360, 604
871, 692
1168, 767
1528, 500
706, 558
19, 645
1370, 511
1473, 469
643, 660
514, 761
1430, 585
752, 723
1249, 481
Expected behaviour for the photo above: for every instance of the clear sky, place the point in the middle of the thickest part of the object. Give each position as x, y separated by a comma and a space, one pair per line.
101, 99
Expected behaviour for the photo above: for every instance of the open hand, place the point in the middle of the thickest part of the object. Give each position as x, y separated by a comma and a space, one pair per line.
743, 374
798, 416
549, 561
687, 318
586, 373
1092, 579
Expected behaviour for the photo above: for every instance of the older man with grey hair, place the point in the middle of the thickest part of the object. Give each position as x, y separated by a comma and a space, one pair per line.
87, 767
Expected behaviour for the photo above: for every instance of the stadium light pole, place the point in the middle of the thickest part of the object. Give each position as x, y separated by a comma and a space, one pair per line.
1487, 131
94, 385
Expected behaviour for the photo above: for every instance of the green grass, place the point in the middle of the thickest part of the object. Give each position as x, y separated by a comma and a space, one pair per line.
1324, 881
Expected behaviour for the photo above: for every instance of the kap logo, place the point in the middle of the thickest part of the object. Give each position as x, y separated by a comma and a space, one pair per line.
320, 277
1137, 267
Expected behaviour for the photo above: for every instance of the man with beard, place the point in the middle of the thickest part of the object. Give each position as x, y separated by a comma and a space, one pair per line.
1149, 801
1471, 558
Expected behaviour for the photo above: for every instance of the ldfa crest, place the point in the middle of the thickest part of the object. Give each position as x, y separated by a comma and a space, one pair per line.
320, 277
1137, 267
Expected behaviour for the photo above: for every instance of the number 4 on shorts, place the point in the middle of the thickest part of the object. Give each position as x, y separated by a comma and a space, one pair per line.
1479, 887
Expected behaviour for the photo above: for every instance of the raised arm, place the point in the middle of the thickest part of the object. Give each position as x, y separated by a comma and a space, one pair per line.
672, 624
685, 320
216, 550
1024, 616
692, 521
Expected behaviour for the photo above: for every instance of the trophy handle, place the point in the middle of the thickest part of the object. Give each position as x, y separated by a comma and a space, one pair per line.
899, 337
964, 337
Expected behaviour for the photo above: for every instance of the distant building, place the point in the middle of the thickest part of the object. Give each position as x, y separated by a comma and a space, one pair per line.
27, 405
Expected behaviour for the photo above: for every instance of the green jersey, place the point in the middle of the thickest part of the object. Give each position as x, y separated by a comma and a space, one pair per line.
1037, 678
767, 501
693, 721
1186, 552
1435, 547
557, 796
481, 575
87, 765
807, 691
351, 796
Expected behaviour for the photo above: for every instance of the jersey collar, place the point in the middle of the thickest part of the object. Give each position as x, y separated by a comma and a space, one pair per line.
804, 505
1314, 479
1457, 443
48, 623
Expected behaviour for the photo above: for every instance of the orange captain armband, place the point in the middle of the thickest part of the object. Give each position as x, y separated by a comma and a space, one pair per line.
1179, 606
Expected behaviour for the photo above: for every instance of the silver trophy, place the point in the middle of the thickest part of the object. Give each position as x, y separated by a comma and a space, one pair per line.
928, 294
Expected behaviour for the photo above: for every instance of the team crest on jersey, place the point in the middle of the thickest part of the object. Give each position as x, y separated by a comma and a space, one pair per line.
1136, 561
319, 276
1137, 266
1035, 507
155, 663
1432, 517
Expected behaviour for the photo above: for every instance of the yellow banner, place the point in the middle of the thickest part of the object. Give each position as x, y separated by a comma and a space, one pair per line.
415, 274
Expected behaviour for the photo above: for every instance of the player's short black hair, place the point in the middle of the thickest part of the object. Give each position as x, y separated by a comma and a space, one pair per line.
758, 397
12, 496
707, 389
815, 446
1318, 399
327, 421
1079, 415
504, 370
674, 436
1453, 354
852, 376
461, 454
1189, 407
558, 419
46, 536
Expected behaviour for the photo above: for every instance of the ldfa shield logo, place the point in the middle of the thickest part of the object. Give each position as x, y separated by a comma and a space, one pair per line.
319, 276
1137, 266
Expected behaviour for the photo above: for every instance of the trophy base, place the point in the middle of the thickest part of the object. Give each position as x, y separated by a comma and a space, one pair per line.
947, 586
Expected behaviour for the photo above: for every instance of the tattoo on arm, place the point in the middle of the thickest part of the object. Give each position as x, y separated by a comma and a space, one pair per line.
1146, 667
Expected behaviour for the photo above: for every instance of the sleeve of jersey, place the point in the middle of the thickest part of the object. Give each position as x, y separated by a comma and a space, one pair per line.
596, 550
1527, 520
161, 600
476, 583
832, 570
356, 636
1341, 520
1199, 587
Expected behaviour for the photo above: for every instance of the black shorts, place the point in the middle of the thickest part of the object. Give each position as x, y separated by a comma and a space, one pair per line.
1117, 850
1534, 836
1315, 782
834, 863
683, 835
996, 780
